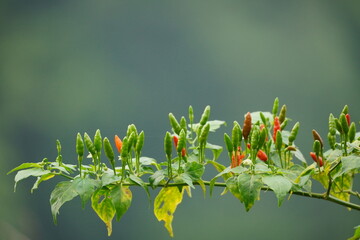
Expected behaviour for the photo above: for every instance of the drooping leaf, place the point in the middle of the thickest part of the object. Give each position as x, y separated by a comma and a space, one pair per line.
299, 155
102, 204
165, 205
25, 165
85, 187
62, 193
156, 178
356, 234
202, 185
184, 177
349, 163
41, 179
249, 189
220, 168
35, 172
279, 184
341, 185
233, 186
121, 198
109, 178
141, 183
216, 150
195, 170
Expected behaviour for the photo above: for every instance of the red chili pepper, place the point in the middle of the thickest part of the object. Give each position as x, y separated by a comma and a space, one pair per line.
248, 145
262, 155
317, 159
118, 143
176, 140
237, 162
348, 119
247, 126
276, 127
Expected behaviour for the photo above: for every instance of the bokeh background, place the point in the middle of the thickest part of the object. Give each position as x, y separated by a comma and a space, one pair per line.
75, 66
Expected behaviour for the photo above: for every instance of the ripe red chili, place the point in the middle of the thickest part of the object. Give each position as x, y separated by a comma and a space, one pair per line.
176, 140
348, 119
118, 143
247, 126
317, 159
262, 155
238, 160
276, 127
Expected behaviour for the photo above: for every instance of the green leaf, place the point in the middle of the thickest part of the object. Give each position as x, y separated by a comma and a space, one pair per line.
356, 234
255, 116
232, 185
165, 205
141, 183
214, 125
25, 165
102, 204
109, 178
341, 185
216, 150
299, 155
85, 187
279, 184
41, 179
195, 170
184, 177
349, 163
147, 161
34, 172
249, 188
121, 198
62, 193
220, 168
156, 178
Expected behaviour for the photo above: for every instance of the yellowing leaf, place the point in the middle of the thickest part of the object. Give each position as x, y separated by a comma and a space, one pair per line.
165, 205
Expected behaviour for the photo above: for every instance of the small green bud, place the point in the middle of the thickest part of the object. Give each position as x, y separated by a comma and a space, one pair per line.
263, 118
79, 145
125, 147
204, 134
279, 141
344, 123
140, 142
168, 145
191, 114
275, 107
282, 114
228, 142
205, 116
174, 123
262, 137
58, 146
108, 150
89, 144
332, 127
254, 138
352, 132
183, 123
338, 125
283, 124
236, 135
98, 141
345, 110
294, 132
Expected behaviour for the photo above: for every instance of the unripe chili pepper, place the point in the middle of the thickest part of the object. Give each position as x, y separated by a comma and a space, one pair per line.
275, 107
338, 125
247, 126
140, 142
317, 136
89, 144
347, 116
125, 148
278, 142
131, 129
168, 145
262, 137
332, 140
131, 141
183, 123
276, 127
352, 132
263, 118
317, 147
118, 143
262, 155
317, 159
344, 123
191, 114
236, 135
283, 124
79, 145
59, 157
345, 110
98, 141
182, 141
332, 127
255, 138
174, 123
228, 142
282, 114
109, 150
205, 116
204, 134
294, 132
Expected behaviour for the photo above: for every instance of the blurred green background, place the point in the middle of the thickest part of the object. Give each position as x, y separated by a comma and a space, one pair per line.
75, 66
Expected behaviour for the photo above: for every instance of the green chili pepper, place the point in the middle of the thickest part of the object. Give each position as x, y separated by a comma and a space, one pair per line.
262, 137
275, 107
254, 138
228, 142
352, 132
332, 140
317, 147
140, 142
181, 142
317, 136
294, 132
125, 148
283, 124
89, 144
278, 143
263, 118
59, 157
108, 150
332, 127
338, 125
98, 141
168, 145
131, 141
205, 116
204, 134
79, 145
131, 129
183, 123
236, 135
282, 114
247, 126
344, 123
191, 114
345, 110
174, 123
